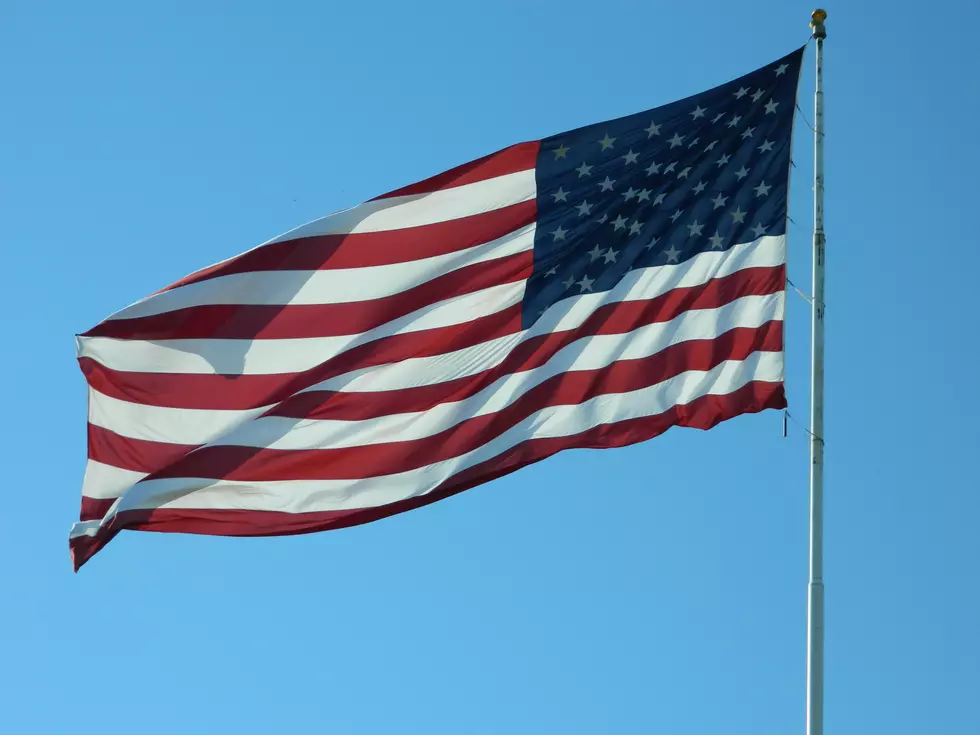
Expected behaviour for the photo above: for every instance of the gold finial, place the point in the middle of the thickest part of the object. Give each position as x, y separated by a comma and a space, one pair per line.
817, 17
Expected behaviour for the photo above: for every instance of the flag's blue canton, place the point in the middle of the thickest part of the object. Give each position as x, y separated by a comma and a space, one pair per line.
661, 186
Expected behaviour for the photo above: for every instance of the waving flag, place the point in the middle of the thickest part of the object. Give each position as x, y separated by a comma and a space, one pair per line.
591, 289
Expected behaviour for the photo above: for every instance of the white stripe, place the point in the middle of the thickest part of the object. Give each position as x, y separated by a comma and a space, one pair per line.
588, 353
338, 286
415, 210
104, 481
160, 424
298, 496
85, 528
278, 356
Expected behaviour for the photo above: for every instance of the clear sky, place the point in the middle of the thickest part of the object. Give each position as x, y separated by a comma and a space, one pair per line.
659, 588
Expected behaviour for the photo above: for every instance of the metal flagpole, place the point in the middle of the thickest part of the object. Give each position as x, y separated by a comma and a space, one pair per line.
815, 620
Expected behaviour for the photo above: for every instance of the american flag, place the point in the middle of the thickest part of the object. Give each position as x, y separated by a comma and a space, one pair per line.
591, 289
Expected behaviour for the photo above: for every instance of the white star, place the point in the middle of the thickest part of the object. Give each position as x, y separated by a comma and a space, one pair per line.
675, 141
595, 253
584, 208
771, 107
560, 233
606, 142
602, 219
584, 170
561, 195
631, 157
654, 129
650, 245
738, 215
610, 256
684, 172
699, 187
762, 190
676, 216
635, 228
698, 112
569, 282
672, 254
553, 271
742, 173
643, 195
695, 228
629, 193
653, 168
717, 241
606, 185
747, 133
766, 146
719, 201
758, 231
717, 117
781, 69
734, 121
723, 161
619, 223
585, 284
660, 198
741, 93
711, 146
693, 143
757, 95
670, 167
560, 151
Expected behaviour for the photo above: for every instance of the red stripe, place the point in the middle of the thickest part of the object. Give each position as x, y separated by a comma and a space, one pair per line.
362, 249
520, 157
242, 392
301, 321
95, 508
703, 413
137, 455
251, 464
617, 319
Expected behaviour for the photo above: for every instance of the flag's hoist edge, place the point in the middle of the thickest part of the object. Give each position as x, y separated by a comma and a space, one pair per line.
589, 290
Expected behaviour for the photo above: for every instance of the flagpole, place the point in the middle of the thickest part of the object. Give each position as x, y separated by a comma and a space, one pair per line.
815, 601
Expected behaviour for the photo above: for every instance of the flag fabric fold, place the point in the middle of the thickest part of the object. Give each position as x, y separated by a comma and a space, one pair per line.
592, 289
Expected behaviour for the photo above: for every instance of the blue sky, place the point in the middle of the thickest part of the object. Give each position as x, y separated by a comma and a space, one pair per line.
657, 588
